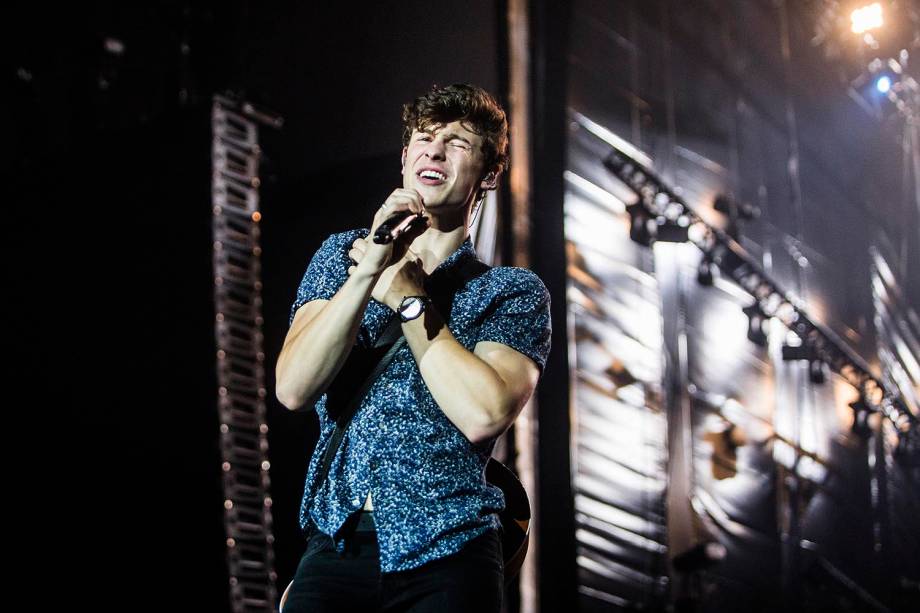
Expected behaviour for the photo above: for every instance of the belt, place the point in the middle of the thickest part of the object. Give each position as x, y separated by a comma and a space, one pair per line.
360, 522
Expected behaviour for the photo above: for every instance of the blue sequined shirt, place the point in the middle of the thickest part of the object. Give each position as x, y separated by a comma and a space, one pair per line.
426, 478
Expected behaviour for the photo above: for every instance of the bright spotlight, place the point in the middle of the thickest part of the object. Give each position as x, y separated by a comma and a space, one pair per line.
866, 18
883, 84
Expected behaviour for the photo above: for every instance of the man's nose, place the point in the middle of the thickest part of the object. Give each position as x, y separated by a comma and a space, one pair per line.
435, 149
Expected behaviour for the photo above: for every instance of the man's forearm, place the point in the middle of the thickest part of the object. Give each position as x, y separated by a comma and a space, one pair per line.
469, 391
314, 352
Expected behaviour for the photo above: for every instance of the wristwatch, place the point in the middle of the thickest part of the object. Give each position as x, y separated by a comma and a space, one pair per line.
412, 307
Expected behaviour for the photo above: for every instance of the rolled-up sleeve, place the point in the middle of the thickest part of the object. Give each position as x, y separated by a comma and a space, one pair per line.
327, 271
519, 315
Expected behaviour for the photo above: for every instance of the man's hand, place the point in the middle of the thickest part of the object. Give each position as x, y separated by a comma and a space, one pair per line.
377, 257
404, 278
400, 271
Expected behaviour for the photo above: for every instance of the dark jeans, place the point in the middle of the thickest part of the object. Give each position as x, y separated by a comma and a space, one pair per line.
326, 581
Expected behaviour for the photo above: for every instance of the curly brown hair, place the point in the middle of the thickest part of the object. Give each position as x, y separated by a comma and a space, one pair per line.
471, 105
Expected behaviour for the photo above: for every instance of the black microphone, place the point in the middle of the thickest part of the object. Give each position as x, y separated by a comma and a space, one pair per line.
397, 224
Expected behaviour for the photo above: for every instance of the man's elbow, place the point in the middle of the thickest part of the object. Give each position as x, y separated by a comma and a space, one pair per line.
492, 425
288, 398
484, 434
293, 399
481, 437
287, 401
286, 386
281, 391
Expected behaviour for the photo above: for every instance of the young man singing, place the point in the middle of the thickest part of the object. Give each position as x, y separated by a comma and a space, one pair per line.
404, 520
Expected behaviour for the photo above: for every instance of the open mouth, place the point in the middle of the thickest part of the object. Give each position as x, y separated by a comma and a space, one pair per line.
429, 176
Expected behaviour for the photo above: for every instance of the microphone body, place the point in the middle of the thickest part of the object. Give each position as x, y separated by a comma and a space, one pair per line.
396, 225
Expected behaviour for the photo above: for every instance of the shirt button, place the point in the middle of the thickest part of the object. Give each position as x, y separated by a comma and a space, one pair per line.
356, 501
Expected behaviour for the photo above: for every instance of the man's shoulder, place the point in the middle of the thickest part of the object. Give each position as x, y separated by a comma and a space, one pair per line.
513, 279
338, 242
345, 237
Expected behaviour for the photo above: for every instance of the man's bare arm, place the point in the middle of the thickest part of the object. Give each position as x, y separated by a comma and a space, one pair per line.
480, 391
323, 332
319, 340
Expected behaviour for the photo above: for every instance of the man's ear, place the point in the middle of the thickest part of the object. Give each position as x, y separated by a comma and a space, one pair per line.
490, 181
402, 163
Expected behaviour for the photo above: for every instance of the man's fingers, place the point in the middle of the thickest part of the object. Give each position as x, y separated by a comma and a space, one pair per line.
402, 199
415, 202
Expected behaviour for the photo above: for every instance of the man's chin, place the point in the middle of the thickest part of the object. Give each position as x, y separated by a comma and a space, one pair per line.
432, 191
431, 196
437, 197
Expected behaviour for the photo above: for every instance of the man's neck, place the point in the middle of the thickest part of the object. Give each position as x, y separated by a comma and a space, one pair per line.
434, 246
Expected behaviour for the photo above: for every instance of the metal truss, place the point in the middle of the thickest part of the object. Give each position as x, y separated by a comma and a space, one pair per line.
660, 214
240, 356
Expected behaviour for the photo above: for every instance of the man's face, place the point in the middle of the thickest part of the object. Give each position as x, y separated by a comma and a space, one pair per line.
444, 163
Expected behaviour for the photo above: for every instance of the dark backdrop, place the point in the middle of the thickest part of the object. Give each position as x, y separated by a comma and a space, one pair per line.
111, 257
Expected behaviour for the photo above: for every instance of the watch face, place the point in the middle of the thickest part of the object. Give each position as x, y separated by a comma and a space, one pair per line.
411, 308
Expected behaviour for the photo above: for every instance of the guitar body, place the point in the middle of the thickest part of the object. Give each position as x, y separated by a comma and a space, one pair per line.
515, 517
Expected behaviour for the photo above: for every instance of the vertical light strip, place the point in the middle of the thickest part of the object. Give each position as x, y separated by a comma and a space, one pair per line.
519, 178
240, 356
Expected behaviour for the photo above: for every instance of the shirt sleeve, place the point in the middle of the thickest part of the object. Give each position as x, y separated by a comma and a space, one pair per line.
518, 315
327, 271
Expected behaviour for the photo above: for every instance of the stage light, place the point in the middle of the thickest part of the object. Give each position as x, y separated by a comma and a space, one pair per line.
900, 419
907, 453
798, 352
806, 351
114, 46
816, 372
699, 234
704, 272
866, 18
756, 320
722, 203
732, 208
729, 262
861, 414
639, 222
883, 84
670, 232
